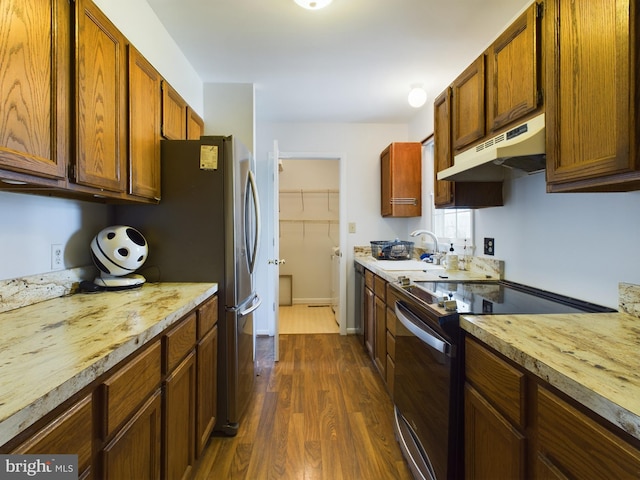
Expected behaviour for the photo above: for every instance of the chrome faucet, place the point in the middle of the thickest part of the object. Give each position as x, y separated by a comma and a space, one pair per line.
416, 233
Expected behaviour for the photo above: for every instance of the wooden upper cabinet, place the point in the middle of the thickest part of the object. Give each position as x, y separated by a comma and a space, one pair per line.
174, 114
195, 125
401, 180
442, 154
144, 127
468, 105
592, 99
101, 101
513, 71
35, 87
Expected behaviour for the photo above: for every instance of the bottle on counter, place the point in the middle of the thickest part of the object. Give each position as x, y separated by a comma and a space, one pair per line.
451, 260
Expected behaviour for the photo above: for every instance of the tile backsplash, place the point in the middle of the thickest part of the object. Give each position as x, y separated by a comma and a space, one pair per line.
629, 298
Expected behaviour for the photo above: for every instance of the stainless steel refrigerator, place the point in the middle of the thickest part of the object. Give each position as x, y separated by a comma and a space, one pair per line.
206, 229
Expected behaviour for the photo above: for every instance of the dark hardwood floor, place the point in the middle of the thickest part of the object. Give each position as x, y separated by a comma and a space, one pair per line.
321, 412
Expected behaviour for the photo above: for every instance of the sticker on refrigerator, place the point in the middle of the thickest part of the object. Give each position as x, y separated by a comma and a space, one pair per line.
208, 157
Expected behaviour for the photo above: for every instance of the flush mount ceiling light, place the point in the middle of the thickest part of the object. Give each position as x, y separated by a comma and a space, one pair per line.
313, 4
417, 96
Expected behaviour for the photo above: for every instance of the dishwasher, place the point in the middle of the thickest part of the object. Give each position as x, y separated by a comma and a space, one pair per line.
429, 362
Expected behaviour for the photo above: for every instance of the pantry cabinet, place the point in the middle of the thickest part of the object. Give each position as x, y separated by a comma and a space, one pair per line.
35, 91
519, 426
144, 127
593, 143
101, 102
401, 180
174, 114
456, 194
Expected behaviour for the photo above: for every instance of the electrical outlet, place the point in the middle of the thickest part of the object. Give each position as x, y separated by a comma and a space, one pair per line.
489, 246
57, 254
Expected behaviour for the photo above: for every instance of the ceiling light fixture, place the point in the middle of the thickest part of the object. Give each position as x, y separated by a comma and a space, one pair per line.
313, 4
417, 96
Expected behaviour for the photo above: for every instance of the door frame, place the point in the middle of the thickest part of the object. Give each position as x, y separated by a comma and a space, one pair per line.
342, 227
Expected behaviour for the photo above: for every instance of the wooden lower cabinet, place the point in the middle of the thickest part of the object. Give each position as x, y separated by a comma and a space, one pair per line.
572, 443
179, 420
206, 394
69, 432
369, 320
518, 426
135, 451
493, 447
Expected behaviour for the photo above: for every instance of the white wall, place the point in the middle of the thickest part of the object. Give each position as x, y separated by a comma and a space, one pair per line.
229, 110
30, 223
360, 145
138, 22
577, 244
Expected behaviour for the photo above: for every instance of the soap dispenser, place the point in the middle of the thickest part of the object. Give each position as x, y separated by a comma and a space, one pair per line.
451, 259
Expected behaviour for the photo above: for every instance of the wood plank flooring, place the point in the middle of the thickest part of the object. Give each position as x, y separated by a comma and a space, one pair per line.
307, 319
321, 412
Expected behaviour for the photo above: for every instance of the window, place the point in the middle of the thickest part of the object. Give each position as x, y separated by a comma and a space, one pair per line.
453, 226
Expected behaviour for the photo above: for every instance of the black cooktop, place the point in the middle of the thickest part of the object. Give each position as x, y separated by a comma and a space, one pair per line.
502, 297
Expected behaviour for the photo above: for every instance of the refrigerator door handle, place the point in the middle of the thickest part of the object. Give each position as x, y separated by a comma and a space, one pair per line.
257, 301
256, 202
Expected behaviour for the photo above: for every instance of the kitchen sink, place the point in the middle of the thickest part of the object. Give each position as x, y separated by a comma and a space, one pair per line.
408, 265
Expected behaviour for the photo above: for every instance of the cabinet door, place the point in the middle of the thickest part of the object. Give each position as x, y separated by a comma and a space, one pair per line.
174, 114
493, 447
144, 127
591, 104
179, 420
512, 71
34, 86
195, 125
369, 316
401, 180
207, 387
468, 105
101, 113
442, 154
578, 446
381, 336
69, 433
135, 450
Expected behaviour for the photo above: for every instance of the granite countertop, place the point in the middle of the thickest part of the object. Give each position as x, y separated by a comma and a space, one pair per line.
51, 350
592, 357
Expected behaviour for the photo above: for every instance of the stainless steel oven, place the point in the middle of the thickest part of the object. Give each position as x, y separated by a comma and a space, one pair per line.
428, 388
429, 362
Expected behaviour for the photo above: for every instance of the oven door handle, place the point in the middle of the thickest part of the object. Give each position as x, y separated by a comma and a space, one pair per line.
423, 332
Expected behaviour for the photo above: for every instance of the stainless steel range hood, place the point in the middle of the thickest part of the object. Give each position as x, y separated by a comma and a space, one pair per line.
521, 148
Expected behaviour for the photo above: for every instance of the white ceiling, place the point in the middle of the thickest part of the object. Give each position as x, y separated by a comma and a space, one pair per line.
354, 61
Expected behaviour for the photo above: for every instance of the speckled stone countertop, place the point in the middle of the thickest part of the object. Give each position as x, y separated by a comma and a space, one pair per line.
591, 357
52, 349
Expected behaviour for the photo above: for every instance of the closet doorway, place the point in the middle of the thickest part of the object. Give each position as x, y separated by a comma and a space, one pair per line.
309, 240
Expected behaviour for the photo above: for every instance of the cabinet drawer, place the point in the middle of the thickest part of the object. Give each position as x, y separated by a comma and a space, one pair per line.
126, 389
179, 341
499, 382
70, 433
579, 446
391, 345
207, 317
380, 287
368, 279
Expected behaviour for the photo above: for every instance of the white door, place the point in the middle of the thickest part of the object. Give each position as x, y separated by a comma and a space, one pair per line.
274, 262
